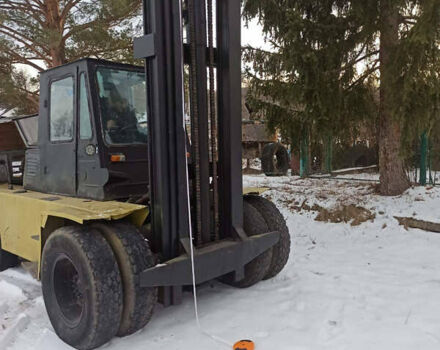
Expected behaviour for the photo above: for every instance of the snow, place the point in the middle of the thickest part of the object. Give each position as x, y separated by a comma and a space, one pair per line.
372, 286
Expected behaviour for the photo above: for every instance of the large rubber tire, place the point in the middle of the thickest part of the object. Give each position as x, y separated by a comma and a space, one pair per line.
7, 260
275, 160
275, 222
133, 255
254, 271
82, 287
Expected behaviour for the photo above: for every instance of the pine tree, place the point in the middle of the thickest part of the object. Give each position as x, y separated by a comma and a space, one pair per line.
338, 64
41, 34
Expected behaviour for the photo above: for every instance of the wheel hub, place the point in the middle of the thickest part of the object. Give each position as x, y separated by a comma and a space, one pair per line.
68, 289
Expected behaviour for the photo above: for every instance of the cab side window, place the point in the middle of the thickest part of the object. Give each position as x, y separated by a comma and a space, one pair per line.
85, 125
61, 110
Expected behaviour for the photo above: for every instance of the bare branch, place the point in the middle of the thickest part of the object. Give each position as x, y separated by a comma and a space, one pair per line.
358, 60
30, 46
365, 75
24, 60
109, 22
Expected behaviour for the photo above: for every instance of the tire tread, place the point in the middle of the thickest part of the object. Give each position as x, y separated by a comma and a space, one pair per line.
276, 222
137, 253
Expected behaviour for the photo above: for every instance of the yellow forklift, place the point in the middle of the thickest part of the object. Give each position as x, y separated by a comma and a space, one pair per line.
109, 188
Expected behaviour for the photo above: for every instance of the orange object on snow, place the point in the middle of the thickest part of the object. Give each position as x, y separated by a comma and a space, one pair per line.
244, 345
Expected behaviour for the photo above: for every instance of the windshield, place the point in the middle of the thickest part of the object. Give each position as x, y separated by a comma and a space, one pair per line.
122, 97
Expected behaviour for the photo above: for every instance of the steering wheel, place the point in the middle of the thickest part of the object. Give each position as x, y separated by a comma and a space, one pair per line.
129, 126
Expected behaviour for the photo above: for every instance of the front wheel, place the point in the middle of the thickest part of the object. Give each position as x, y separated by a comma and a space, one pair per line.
256, 270
82, 287
275, 222
133, 255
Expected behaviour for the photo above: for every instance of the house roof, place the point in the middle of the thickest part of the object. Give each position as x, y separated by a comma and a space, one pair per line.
6, 113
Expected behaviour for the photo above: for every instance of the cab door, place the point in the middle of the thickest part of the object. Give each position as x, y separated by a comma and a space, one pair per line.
90, 176
59, 172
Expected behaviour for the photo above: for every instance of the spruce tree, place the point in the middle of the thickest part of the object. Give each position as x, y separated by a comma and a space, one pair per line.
338, 64
42, 34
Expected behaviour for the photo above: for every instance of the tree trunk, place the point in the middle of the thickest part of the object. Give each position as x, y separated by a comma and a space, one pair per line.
58, 56
393, 180
55, 24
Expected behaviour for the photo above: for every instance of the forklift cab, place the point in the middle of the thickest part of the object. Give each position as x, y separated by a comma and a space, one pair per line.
93, 124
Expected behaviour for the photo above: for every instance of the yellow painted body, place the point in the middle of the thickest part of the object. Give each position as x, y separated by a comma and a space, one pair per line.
25, 214
255, 190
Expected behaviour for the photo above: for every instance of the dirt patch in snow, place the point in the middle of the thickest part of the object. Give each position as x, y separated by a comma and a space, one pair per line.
251, 171
296, 206
356, 215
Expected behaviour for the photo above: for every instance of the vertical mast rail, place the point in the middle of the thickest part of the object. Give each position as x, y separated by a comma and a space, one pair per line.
161, 46
229, 117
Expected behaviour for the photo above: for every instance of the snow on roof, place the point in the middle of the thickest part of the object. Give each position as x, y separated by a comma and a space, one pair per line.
6, 113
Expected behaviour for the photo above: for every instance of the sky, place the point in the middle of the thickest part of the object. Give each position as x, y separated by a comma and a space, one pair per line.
252, 35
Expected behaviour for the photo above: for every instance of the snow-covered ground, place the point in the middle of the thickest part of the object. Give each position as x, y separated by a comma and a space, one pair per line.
370, 286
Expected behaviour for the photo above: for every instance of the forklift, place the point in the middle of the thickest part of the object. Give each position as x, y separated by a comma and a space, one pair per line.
117, 197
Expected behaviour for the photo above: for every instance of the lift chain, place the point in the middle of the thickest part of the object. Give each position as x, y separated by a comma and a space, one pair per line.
213, 118
194, 118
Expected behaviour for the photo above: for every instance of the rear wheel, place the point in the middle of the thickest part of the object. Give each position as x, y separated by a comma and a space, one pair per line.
7, 259
254, 271
133, 255
275, 222
82, 287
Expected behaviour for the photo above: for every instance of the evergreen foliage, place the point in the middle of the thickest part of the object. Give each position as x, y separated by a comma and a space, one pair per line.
324, 72
40, 34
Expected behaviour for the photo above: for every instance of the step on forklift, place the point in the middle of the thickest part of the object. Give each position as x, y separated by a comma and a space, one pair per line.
114, 186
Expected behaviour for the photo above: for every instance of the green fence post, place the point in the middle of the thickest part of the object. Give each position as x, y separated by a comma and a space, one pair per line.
423, 158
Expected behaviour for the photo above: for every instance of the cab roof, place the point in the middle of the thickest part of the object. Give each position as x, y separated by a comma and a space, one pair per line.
96, 62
